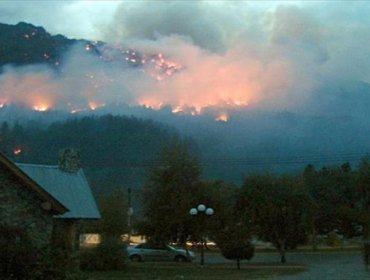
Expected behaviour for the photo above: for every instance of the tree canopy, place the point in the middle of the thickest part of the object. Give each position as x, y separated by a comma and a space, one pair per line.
172, 189
278, 209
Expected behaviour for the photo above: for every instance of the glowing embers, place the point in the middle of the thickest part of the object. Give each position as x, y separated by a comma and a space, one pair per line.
162, 67
150, 104
17, 151
76, 110
41, 103
177, 109
28, 36
41, 107
156, 65
2, 103
94, 105
223, 117
166, 67
187, 110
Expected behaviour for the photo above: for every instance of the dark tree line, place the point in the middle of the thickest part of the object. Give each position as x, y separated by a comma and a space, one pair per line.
114, 149
281, 209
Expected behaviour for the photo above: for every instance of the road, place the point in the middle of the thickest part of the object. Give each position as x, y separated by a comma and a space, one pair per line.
321, 266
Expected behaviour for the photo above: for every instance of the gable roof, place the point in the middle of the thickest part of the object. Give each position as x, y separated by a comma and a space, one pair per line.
71, 189
56, 206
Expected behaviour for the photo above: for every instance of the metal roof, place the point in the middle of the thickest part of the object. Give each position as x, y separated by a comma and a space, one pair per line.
71, 189
56, 205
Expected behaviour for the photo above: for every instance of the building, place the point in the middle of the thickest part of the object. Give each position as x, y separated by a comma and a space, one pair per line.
26, 205
65, 185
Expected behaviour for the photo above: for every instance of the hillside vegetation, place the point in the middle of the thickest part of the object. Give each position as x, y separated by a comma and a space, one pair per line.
115, 150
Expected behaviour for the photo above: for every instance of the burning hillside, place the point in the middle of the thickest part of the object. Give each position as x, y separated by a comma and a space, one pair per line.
169, 72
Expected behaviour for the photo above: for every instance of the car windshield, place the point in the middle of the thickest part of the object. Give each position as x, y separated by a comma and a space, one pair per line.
172, 247
153, 246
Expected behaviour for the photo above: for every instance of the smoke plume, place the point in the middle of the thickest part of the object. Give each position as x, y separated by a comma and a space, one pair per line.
196, 55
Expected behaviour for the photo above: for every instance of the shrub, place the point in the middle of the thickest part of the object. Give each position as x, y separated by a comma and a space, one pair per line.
234, 249
20, 260
333, 239
56, 264
234, 244
110, 254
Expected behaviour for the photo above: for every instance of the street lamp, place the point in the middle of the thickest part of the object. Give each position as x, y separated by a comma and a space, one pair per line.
201, 210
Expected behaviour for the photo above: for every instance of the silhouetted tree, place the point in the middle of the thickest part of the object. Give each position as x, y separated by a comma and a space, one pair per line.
172, 189
278, 209
363, 205
114, 211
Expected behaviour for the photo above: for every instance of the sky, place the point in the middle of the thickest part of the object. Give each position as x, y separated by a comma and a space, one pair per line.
267, 54
84, 17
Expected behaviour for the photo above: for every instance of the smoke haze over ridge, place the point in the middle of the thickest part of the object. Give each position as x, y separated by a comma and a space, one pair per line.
290, 77
229, 52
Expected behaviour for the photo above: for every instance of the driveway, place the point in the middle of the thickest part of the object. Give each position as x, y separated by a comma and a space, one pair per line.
321, 266
330, 266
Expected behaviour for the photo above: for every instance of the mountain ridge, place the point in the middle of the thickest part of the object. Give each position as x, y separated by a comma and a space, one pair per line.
25, 43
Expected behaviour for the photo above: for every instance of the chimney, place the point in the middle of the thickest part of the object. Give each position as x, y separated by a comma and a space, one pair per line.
69, 160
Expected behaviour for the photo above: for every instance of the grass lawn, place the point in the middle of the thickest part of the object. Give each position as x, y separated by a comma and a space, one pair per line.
169, 270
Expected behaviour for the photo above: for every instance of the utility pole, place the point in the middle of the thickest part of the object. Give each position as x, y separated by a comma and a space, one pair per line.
130, 212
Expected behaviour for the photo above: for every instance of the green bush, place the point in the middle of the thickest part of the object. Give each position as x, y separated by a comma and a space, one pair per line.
333, 239
234, 243
53, 263
237, 249
20, 260
110, 254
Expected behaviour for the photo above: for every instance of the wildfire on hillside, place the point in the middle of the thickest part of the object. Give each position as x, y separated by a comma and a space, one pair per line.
153, 79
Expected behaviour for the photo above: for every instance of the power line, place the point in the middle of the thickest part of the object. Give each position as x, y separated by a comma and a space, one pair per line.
241, 161
287, 160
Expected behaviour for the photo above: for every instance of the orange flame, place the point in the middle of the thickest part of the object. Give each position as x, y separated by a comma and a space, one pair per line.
17, 151
94, 105
177, 109
41, 107
150, 104
224, 117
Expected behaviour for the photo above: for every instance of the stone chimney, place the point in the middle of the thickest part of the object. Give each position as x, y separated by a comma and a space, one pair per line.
69, 160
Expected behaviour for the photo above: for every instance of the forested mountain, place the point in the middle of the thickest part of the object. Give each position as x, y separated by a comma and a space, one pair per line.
24, 43
329, 128
115, 150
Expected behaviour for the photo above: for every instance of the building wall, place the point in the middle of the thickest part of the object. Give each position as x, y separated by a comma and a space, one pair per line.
20, 207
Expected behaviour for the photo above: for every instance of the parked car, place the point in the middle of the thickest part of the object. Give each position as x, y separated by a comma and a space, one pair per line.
152, 252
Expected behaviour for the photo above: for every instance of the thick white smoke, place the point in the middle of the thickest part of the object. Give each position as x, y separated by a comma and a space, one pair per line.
225, 54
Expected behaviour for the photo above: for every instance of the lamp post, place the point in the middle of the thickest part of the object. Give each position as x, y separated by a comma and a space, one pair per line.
201, 210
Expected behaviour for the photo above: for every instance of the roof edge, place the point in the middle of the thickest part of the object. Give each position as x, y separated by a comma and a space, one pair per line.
56, 205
